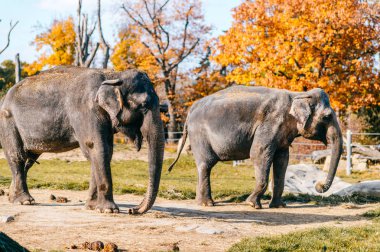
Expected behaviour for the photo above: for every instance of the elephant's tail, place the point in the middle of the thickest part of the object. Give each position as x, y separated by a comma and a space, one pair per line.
184, 136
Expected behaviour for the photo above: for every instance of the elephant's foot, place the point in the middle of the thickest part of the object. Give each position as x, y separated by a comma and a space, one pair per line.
205, 202
277, 204
91, 204
107, 206
254, 202
23, 198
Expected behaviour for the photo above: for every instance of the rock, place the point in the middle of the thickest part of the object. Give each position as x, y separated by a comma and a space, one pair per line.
2, 192
110, 247
73, 246
52, 197
6, 219
187, 228
365, 188
174, 247
62, 199
208, 230
96, 245
302, 178
360, 166
85, 245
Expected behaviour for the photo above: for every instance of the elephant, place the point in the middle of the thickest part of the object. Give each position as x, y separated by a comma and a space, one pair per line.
68, 107
260, 123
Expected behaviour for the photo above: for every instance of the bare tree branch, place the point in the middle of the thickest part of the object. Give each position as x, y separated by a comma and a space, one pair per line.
91, 56
9, 36
105, 45
83, 39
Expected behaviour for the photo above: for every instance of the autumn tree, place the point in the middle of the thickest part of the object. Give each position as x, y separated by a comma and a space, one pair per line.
68, 42
57, 45
171, 31
130, 53
208, 79
302, 44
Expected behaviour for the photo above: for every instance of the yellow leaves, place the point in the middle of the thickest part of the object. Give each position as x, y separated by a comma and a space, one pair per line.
59, 42
305, 44
129, 53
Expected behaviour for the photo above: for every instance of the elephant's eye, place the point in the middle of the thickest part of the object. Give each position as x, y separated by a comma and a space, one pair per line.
327, 117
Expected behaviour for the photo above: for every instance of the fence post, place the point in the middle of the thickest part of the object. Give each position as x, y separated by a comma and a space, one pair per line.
348, 147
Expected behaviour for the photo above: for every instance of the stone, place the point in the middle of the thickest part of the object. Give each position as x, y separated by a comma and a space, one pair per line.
110, 247
365, 188
6, 219
2, 192
208, 230
363, 166
301, 178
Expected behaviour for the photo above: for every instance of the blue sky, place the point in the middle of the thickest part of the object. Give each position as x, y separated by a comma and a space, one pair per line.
34, 15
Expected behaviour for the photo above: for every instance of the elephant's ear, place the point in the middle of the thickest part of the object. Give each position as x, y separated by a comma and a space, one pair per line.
110, 99
301, 110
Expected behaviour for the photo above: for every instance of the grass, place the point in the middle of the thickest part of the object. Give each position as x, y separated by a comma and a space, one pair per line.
363, 238
373, 214
232, 184
358, 176
132, 177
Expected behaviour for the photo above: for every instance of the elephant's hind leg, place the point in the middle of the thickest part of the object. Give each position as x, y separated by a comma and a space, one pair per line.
205, 160
18, 162
19, 192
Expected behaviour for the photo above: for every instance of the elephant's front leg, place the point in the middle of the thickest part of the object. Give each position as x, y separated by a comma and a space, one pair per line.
100, 156
92, 199
280, 163
262, 159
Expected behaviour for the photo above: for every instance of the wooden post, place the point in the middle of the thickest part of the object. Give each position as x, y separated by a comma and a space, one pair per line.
348, 147
17, 68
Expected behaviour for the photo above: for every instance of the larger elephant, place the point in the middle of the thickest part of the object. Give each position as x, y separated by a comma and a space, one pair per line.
69, 107
260, 123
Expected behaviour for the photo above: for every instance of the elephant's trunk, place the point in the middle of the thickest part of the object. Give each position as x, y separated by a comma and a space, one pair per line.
154, 133
334, 136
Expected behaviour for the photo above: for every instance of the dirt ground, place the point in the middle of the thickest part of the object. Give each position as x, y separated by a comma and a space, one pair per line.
118, 155
55, 226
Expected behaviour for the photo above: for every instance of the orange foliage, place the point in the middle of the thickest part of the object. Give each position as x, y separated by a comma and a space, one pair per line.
59, 45
302, 44
130, 53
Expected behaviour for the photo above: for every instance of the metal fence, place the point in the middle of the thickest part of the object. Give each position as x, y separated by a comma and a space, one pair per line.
303, 150
349, 144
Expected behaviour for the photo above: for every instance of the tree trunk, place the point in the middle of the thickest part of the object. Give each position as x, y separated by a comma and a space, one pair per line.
172, 127
17, 68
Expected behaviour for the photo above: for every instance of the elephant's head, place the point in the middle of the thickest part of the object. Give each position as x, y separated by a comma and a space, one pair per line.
316, 120
133, 105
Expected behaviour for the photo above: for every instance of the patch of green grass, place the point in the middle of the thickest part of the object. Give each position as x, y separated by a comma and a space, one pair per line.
132, 177
363, 238
330, 200
373, 214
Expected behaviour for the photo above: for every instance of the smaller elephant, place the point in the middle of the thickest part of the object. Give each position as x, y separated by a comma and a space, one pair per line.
260, 123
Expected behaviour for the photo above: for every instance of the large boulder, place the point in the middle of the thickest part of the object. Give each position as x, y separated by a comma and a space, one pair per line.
301, 178
365, 188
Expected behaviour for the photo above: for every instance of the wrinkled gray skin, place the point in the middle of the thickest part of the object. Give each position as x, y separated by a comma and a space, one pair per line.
259, 123
69, 107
